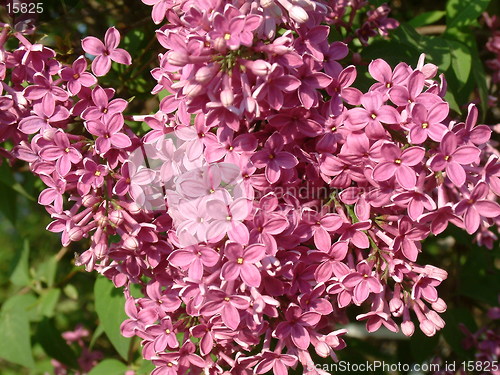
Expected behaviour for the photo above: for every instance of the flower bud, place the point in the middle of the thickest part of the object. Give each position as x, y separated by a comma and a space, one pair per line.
322, 349
427, 327
116, 217
130, 242
298, 14
89, 200
396, 306
260, 68
220, 45
227, 97
439, 305
205, 73
435, 319
100, 250
192, 90
75, 234
408, 328
177, 58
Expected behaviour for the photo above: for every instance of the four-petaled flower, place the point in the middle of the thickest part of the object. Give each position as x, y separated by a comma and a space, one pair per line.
241, 263
399, 163
452, 158
273, 158
106, 52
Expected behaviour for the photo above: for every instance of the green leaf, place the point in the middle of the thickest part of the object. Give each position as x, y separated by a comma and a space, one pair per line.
461, 60
15, 339
109, 305
25, 302
48, 302
452, 101
461, 13
97, 333
436, 49
20, 270
109, 367
71, 291
427, 18
477, 71
49, 337
46, 271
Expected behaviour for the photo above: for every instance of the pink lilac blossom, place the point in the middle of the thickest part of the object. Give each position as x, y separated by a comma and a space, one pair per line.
214, 212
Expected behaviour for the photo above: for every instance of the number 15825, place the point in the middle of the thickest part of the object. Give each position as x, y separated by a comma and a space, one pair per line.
24, 8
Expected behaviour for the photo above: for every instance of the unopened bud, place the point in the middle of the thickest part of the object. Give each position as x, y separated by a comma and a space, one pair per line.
205, 74
75, 234
440, 306
130, 243
427, 327
408, 328
177, 58
227, 98
396, 306
298, 14
116, 217
259, 67
89, 200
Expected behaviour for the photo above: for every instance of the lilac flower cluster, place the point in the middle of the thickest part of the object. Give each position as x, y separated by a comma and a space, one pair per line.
236, 278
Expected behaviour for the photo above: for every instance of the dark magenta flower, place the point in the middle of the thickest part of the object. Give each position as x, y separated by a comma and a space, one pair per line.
273, 159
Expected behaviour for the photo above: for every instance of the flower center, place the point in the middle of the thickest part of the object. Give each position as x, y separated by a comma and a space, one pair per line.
447, 157
239, 260
271, 156
227, 36
425, 125
66, 149
227, 299
167, 331
373, 116
388, 85
228, 218
397, 161
97, 173
76, 76
105, 110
